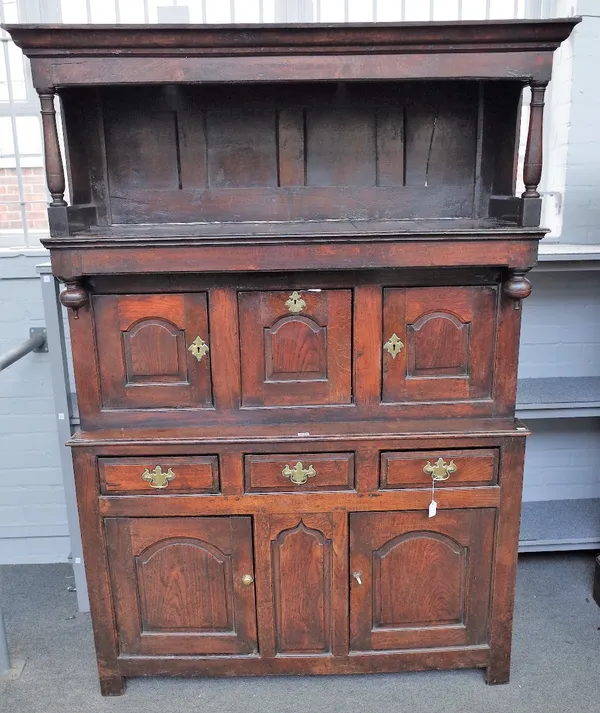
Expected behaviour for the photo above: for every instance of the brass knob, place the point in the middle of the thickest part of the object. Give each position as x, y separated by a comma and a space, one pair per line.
247, 580
298, 475
440, 470
357, 576
157, 478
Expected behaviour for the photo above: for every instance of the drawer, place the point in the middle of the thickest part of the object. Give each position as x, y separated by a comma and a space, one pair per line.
160, 474
299, 472
404, 469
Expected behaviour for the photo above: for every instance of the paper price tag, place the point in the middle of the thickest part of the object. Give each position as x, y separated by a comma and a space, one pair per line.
432, 504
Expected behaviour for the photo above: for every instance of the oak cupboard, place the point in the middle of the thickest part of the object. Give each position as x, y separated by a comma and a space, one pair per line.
294, 263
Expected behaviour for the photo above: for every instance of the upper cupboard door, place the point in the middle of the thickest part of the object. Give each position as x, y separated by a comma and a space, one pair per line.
153, 350
438, 343
296, 347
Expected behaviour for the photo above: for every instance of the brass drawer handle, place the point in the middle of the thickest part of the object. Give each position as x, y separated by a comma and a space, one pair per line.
358, 577
157, 478
198, 348
247, 580
298, 474
440, 470
394, 345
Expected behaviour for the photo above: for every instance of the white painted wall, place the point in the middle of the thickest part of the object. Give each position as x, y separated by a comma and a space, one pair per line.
33, 520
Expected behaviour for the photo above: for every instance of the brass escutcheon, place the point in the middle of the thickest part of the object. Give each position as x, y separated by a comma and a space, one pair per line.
298, 474
394, 345
157, 478
198, 348
295, 303
440, 470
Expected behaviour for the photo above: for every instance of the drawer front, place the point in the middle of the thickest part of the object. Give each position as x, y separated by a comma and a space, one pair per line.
299, 472
156, 475
449, 468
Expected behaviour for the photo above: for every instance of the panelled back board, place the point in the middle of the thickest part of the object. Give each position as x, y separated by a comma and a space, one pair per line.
294, 264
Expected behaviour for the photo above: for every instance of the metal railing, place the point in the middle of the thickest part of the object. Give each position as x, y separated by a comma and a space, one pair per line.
36, 343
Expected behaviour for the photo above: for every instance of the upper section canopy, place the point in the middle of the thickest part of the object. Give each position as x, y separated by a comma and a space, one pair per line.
64, 55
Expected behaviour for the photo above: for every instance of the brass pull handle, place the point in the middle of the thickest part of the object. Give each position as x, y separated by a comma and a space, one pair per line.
298, 475
440, 470
357, 576
247, 580
157, 478
394, 345
198, 348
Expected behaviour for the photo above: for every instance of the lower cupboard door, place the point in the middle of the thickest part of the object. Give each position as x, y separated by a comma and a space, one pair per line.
304, 585
183, 585
420, 582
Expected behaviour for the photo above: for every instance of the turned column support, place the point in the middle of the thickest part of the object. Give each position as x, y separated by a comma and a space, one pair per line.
517, 286
532, 167
74, 296
55, 175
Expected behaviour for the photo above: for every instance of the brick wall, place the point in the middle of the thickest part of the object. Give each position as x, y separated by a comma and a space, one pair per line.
34, 189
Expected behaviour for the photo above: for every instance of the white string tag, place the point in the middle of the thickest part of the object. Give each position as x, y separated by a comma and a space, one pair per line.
432, 504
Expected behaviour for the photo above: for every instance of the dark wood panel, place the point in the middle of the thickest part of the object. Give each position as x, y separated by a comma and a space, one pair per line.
199, 474
341, 147
291, 153
292, 203
242, 149
142, 149
390, 147
441, 137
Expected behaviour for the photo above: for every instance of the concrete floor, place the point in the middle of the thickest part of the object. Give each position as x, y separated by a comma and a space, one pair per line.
556, 659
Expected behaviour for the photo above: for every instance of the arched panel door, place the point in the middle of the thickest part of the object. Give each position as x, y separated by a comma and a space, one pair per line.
438, 343
303, 585
420, 582
153, 350
296, 347
181, 585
